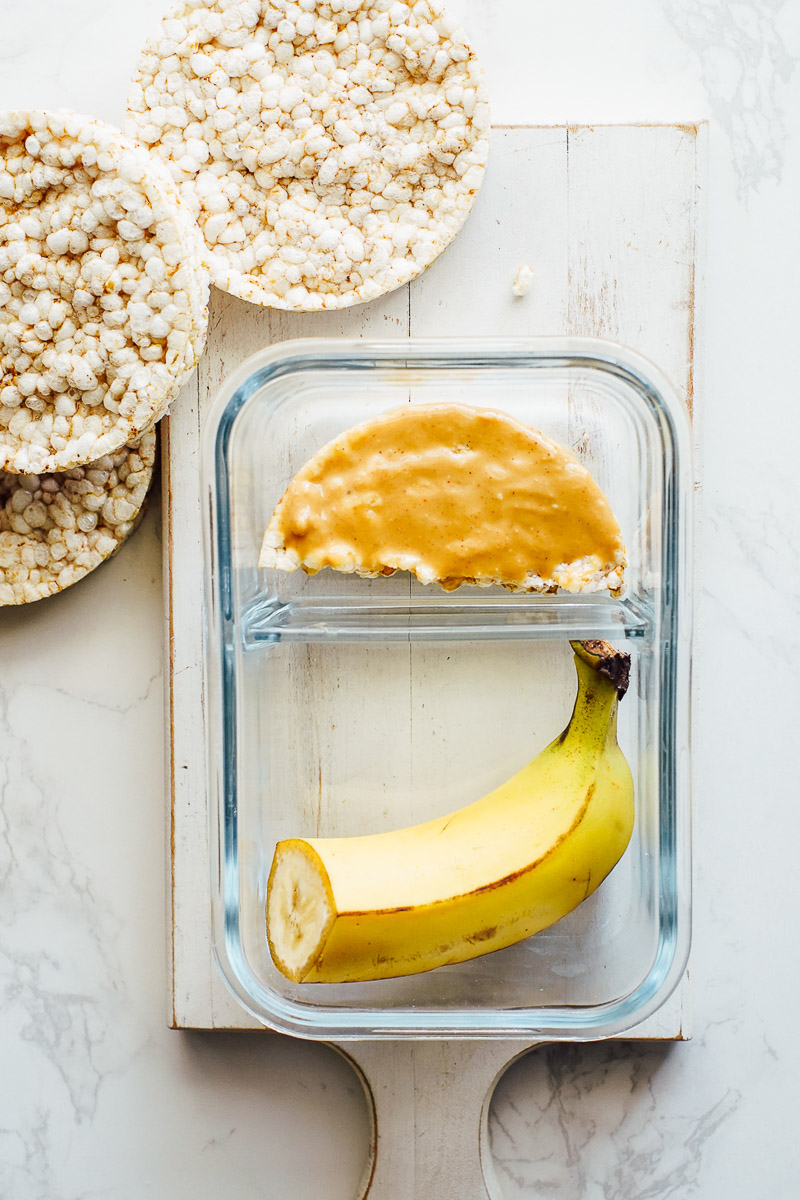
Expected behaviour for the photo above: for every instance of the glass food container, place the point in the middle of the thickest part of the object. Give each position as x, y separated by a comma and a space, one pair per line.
338, 705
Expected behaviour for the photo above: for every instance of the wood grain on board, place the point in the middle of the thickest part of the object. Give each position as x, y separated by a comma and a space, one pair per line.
609, 219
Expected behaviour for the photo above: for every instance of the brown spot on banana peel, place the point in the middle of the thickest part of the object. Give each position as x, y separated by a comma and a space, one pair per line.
606, 660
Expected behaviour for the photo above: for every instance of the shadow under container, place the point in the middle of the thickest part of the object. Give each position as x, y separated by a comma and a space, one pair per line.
338, 705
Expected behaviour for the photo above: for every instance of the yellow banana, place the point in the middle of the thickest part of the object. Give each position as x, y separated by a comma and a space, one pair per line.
347, 909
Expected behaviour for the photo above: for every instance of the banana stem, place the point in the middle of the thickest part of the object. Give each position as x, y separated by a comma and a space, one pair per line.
603, 675
602, 656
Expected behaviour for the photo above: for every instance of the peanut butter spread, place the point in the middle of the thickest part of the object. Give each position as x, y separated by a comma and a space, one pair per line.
454, 495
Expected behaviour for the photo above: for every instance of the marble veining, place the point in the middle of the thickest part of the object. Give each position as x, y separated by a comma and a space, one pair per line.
747, 57
99, 1099
62, 977
598, 1126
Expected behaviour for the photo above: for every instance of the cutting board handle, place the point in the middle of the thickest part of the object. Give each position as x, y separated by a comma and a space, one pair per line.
430, 1104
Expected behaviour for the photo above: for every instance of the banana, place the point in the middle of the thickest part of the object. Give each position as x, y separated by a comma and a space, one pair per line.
348, 909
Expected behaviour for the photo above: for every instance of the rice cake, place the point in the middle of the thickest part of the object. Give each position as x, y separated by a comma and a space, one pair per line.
103, 291
55, 529
330, 151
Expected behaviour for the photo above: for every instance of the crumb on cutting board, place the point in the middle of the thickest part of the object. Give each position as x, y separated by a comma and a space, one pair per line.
522, 280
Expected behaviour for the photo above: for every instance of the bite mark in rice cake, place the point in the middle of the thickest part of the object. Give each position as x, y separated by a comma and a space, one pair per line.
453, 494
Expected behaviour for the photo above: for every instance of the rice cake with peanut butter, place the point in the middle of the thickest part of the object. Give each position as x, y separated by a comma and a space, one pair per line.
452, 494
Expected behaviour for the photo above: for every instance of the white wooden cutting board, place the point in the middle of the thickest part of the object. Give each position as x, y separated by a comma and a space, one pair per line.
609, 218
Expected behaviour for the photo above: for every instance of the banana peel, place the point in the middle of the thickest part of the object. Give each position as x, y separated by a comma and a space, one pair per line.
342, 910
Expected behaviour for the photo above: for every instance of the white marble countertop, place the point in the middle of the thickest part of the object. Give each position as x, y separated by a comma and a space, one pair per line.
100, 1099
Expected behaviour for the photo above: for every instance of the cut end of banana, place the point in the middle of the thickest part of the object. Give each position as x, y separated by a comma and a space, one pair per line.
300, 908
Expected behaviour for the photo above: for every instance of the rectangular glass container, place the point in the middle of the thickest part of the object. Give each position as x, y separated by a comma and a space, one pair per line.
338, 705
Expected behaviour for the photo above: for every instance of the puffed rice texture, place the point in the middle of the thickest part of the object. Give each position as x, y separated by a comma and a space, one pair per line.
55, 529
330, 150
103, 290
